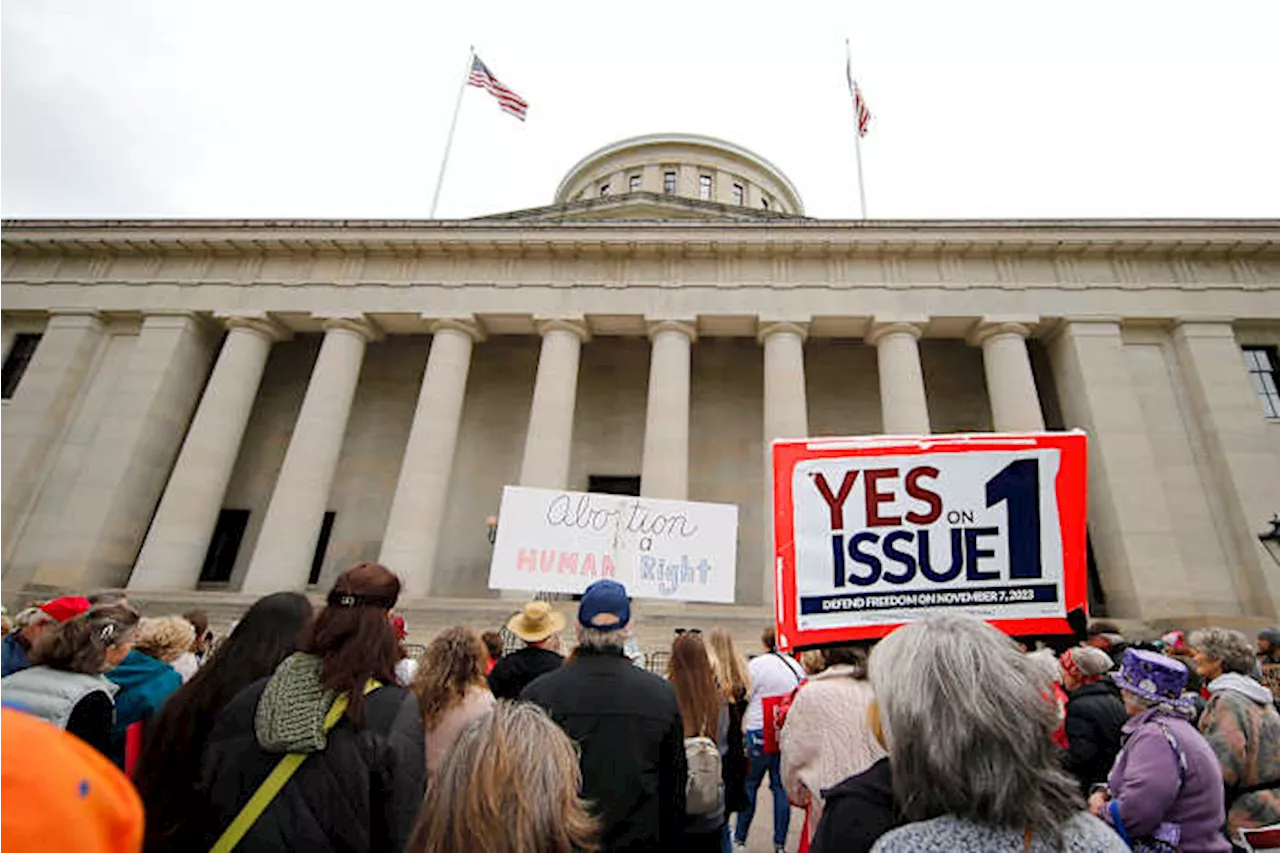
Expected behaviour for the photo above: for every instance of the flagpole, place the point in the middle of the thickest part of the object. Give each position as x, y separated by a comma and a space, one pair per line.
435, 198
857, 149
857, 129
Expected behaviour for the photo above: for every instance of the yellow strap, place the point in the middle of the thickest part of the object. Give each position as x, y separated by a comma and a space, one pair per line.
280, 774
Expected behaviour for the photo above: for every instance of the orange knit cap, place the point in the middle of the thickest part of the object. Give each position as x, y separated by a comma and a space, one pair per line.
52, 783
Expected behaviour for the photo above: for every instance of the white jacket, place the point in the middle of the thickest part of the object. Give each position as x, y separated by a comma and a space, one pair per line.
826, 737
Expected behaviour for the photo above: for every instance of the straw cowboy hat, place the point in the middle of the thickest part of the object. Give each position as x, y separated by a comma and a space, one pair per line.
535, 622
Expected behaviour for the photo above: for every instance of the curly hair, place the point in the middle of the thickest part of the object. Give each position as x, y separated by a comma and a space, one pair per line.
1233, 648
453, 662
164, 637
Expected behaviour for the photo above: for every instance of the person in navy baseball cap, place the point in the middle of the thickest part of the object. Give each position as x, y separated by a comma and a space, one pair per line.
605, 606
601, 699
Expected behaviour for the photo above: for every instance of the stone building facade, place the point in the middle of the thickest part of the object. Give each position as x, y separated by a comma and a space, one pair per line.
254, 405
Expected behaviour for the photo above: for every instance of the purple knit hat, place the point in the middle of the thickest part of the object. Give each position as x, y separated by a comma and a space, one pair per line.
1153, 676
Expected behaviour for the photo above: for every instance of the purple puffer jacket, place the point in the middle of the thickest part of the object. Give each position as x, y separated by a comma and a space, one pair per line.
1145, 784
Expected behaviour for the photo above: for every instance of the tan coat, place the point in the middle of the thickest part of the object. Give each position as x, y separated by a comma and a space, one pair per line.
826, 737
477, 702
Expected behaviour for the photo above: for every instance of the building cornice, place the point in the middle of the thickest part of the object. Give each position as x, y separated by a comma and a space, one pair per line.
517, 238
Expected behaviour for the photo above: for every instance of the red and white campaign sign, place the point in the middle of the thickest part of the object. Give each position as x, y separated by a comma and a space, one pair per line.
871, 533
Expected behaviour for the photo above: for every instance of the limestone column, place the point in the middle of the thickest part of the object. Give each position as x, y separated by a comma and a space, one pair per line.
786, 415
665, 469
1239, 443
903, 408
10, 333
176, 545
104, 516
36, 416
1129, 522
549, 441
282, 556
417, 511
1011, 386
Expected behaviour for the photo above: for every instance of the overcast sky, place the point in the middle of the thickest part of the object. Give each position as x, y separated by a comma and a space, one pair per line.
259, 108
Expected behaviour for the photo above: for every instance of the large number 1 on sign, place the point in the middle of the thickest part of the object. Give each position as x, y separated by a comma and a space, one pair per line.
1019, 484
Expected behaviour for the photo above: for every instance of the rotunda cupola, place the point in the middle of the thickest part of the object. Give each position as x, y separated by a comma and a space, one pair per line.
718, 177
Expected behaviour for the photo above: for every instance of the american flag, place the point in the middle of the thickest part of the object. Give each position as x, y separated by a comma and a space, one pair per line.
508, 100
859, 105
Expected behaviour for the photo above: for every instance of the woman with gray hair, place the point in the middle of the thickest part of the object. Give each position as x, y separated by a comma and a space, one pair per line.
1241, 724
967, 725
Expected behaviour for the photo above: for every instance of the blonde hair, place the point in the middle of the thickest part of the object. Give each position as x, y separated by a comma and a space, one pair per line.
511, 783
453, 662
164, 637
813, 661
728, 666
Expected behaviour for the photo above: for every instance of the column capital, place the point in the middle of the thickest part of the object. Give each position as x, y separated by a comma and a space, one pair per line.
1204, 327
470, 328
1084, 321
684, 327
175, 316
355, 323
988, 327
75, 317
768, 329
1092, 325
882, 327
576, 327
255, 321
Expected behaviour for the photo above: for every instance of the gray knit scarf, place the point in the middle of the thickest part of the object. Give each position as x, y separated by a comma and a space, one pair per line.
291, 713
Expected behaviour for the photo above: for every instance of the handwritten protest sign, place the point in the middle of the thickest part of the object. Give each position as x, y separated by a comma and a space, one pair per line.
560, 541
872, 533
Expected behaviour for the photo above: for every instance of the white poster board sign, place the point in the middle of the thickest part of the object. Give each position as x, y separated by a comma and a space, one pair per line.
560, 541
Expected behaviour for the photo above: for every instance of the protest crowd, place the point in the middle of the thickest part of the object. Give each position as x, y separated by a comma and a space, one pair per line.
317, 731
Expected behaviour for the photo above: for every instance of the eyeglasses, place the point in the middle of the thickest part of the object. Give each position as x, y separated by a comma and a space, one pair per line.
682, 631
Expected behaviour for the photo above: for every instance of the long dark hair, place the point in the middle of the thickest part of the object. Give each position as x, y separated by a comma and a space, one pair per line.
689, 670
266, 635
353, 636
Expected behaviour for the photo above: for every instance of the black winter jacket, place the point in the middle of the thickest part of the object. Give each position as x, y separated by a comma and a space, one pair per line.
734, 769
513, 672
362, 792
627, 724
1095, 715
856, 812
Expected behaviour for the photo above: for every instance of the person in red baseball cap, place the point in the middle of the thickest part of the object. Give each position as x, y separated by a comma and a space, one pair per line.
16, 647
